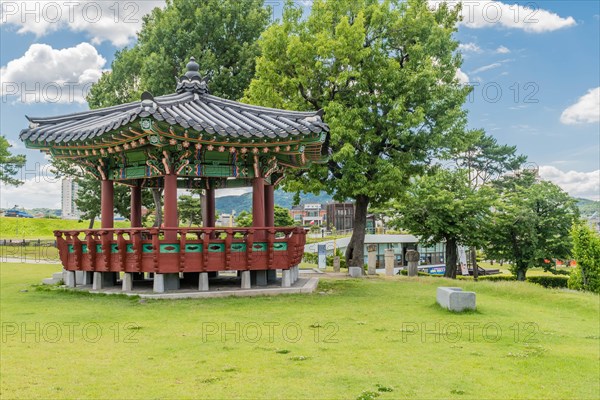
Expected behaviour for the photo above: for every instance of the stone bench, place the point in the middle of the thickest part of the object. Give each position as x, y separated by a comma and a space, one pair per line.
454, 299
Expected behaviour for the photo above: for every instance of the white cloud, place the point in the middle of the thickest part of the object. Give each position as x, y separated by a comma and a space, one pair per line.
483, 14
586, 110
502, 50
47, 75
115, 21
577, 184
469, 48
36, 192
462, 77
486, 68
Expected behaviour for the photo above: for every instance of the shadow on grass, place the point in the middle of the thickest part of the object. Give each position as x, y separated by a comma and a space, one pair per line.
441, 310
63, 291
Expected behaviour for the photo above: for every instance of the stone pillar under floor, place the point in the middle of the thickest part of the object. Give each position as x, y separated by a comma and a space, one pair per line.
103, 280
87, 278
127, 282
165, 282
203, 282
296, 273
246, 280
79, 277
286, 278
70, 278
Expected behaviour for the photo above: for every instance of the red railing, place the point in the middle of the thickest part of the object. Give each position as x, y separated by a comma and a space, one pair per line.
195, 250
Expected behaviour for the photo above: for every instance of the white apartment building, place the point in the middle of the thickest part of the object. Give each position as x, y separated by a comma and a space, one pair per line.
69, 194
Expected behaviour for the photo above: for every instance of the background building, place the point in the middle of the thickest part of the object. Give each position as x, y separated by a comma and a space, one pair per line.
69, 195
340, 216
308, 214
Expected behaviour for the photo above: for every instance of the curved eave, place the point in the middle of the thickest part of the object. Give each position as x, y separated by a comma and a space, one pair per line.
200, 114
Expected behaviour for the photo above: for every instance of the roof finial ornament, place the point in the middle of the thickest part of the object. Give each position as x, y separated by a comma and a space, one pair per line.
192, 81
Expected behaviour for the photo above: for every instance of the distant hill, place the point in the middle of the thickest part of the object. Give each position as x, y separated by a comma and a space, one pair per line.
588, 207
243, 202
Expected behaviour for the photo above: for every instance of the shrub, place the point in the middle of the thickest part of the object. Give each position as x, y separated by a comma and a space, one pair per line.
419, 273
497, 278
586, 250
549, 281
576, 280
311, 258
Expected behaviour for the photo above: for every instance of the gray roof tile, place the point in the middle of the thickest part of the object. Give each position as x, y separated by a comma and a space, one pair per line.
201, 112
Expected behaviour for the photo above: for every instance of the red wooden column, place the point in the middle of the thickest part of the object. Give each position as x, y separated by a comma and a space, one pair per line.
269, 205
171, 219
136, 206
210, 208
107, 193
258, 202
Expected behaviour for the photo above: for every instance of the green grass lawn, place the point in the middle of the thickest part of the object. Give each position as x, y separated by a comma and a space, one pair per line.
525, 342
42, 228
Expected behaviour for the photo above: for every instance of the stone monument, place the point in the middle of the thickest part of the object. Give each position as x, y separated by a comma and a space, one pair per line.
412, 256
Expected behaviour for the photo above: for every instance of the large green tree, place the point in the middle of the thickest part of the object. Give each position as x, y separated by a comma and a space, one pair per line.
442, 207
88, 203
530, 223
243, 219
220, 34
485, 160
190, 209
282, 217
384, 74
9, 164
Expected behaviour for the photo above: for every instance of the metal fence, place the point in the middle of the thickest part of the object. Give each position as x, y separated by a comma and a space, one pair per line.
28, 250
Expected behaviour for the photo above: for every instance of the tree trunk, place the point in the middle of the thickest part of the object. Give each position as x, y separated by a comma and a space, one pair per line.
92, 220
451, 258
521, 271
474, 262
156, 196
355, 252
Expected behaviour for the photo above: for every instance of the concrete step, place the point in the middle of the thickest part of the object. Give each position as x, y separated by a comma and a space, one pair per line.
58, 276
50, 281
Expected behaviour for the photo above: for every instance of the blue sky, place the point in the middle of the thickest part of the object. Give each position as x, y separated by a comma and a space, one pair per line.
534, 67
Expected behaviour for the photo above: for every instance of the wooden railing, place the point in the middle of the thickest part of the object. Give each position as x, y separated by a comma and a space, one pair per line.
194, 250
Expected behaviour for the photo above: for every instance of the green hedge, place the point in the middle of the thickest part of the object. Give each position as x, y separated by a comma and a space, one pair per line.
497, 278
550, 281
419, 273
